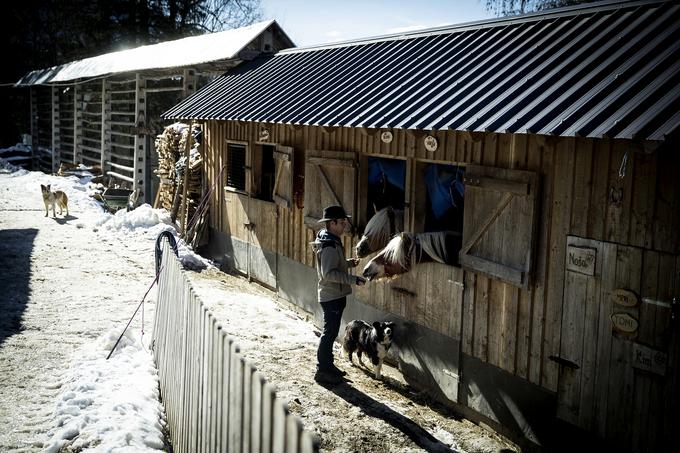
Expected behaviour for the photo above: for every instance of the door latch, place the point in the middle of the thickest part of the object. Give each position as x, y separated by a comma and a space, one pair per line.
564, 362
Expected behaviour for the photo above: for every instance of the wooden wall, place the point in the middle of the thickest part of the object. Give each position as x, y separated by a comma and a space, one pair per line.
581, 194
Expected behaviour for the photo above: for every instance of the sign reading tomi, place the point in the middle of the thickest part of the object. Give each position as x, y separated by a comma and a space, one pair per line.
431, 143
624, 323
581, 259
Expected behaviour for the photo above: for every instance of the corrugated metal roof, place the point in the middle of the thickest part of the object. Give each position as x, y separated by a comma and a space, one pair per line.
183, 52
604, 69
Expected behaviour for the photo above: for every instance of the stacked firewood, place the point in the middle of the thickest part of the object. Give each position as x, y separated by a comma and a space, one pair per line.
171, 146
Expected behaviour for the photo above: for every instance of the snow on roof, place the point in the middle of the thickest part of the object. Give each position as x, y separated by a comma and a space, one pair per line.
194, 50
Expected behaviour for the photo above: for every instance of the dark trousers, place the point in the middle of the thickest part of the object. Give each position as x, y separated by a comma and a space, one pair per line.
332, 314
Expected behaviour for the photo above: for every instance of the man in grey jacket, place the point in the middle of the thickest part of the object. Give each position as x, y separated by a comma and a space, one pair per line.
335, 283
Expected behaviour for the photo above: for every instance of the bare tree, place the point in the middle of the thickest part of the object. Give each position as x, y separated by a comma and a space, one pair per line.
512, 7
225, 14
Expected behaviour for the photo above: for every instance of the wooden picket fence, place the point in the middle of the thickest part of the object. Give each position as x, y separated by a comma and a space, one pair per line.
214, 398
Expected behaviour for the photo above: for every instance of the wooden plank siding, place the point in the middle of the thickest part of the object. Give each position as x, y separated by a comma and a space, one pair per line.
581, 194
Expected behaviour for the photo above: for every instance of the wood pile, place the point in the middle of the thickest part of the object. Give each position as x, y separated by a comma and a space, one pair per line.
171, 146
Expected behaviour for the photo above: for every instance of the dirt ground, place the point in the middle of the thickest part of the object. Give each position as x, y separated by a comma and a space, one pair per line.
362, 414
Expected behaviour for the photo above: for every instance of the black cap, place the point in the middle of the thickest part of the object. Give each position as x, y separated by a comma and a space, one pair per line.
334, 213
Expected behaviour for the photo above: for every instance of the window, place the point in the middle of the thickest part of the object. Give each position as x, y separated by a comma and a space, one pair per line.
439, 202
236, 166
386, 182
445, 198
263, 172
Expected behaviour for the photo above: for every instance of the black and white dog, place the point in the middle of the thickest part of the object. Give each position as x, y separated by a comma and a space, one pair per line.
373, 340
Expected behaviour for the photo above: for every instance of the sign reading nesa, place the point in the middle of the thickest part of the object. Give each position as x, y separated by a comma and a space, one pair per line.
581, 259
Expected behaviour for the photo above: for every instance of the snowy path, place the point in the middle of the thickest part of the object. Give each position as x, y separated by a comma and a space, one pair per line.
63, 286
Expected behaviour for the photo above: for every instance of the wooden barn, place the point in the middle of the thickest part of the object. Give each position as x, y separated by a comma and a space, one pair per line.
548, 142
105, 110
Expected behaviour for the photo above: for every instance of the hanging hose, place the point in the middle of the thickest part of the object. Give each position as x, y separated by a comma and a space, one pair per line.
159, 252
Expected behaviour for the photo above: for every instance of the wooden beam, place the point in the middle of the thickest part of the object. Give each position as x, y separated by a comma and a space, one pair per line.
499, 185
472, 136
501, 271
332, 161
279, 169
328, 186
278, 155
55, 129
313, 223
281, 201
487, 222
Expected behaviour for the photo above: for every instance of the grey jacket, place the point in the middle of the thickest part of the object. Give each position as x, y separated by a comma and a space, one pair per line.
331, 267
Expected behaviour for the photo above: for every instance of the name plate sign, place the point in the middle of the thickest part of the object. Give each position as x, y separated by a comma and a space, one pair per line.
648, 359
624, 297
624, 323
581, 259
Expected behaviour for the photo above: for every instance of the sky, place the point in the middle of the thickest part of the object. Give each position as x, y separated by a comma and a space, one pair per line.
322, 21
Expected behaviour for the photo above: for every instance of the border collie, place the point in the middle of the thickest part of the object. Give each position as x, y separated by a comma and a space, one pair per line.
373, 340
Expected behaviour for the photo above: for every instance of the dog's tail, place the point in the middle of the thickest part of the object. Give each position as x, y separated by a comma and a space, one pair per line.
347, 340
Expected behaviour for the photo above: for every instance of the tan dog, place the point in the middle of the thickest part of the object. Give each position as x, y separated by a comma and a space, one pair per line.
54, 198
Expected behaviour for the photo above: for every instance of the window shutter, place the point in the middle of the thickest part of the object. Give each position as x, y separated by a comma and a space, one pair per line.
499, 223
236, 166
330, 178
282, 193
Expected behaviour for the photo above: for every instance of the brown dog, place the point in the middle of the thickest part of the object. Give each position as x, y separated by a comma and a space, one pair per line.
54, 198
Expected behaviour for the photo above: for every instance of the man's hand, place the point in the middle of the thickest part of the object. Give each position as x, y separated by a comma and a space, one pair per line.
361, 281
352, 262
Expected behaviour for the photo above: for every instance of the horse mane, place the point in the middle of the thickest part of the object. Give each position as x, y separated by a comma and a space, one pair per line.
434, 244
378, 228
394, 252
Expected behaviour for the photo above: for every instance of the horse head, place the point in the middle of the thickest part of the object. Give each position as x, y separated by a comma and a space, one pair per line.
406, 249
393, 260
383, 225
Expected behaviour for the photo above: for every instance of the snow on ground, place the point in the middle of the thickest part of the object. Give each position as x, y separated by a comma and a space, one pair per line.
110, 403
70, 285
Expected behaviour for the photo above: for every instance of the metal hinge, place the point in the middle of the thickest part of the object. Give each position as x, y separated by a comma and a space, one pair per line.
457, 283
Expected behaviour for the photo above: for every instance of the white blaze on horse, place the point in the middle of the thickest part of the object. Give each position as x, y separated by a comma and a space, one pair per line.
407, 249
379, 230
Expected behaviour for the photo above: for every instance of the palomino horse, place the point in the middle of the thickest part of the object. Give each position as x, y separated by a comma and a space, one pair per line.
379, 230
407, 249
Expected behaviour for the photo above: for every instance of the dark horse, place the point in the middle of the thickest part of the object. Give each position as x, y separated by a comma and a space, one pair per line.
407, 249
379, 230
